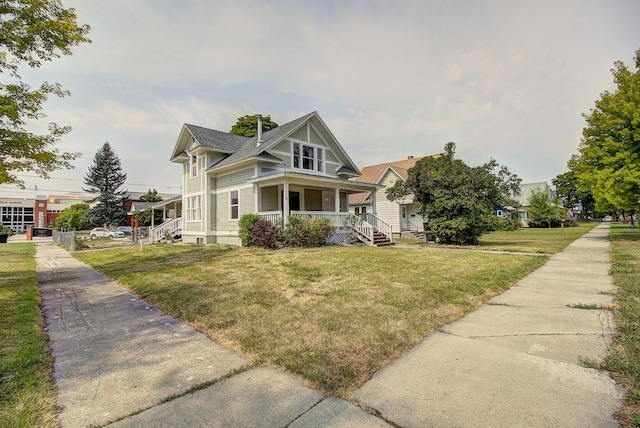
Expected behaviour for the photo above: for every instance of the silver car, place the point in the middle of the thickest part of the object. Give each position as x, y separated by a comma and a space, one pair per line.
103, 232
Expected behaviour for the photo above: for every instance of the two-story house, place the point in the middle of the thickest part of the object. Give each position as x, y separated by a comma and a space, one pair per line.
298, 168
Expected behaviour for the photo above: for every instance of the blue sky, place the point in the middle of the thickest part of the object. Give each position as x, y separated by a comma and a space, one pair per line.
502, 79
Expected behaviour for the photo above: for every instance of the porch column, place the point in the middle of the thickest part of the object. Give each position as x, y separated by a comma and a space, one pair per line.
374, 206
285, 202
336, 200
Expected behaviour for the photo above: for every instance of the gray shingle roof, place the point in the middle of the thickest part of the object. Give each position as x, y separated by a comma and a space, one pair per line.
222, 141
251, 149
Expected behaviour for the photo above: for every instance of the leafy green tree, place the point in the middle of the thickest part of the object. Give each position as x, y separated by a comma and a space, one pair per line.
150, 196
73, 218
247, 125
542, 210
144, 216
104, 178
609, 160
459, 201
32, 32
568, 188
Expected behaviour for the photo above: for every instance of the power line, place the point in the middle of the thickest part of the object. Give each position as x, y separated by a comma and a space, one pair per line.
82, 181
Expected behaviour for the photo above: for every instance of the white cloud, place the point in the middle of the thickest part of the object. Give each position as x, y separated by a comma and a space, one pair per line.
502, 79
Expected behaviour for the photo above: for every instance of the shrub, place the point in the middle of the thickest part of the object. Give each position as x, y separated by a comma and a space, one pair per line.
307, 232
265, 234
246, 222
4, 229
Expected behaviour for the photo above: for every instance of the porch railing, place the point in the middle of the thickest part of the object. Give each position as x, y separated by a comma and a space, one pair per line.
273, 216
336, 218
378, 224
170, 226
366, 226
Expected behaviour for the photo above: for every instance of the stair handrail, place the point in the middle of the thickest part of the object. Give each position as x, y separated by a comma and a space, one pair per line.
170, 226
364, 231
379, 225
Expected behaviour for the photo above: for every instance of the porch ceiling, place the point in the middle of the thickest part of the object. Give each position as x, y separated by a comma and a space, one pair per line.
314, 181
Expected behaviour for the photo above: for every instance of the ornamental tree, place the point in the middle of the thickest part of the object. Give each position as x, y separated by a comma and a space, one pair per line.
32, 32
459, 201
104, 178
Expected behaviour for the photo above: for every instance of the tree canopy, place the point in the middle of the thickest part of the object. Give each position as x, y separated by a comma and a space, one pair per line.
247, 125
568, 188
104, 178
459, 201
542, 210
144, 216
609, 160
32, 32
73, 218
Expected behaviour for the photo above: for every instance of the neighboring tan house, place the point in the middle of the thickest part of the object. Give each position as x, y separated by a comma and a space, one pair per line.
402, 215
298, 168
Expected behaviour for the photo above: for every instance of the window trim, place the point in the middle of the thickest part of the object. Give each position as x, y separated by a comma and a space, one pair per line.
298, 157
193, 161
232, 205
194, 208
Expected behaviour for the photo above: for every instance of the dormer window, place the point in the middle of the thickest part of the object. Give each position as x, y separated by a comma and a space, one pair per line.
194, 166
308, 157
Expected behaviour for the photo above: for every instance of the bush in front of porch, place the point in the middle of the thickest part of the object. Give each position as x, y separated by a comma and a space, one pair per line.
298, 232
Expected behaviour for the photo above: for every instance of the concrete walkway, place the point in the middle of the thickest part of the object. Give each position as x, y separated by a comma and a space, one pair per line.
514, 363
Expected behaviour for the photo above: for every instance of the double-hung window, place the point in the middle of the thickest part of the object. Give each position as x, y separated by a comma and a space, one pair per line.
308, 157
194, 211
194, 166
234, 204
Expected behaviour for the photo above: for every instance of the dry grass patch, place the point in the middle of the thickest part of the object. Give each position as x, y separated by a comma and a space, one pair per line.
333, 315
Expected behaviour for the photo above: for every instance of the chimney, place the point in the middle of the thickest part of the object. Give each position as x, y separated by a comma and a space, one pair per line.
259, 117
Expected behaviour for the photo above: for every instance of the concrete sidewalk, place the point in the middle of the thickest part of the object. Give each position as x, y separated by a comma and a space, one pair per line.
514, 363
116, 356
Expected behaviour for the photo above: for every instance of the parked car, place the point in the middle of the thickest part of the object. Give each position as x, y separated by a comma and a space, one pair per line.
125, 229
103, 232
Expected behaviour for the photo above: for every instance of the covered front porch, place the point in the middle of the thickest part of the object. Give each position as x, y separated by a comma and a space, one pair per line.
291, 194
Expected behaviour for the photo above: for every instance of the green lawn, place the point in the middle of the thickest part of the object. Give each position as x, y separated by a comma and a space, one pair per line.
27, 392
624, 358
333, 315
543, 241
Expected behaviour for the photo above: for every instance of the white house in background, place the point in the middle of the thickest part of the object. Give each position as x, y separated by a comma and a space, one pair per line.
523, 198
403, 215
298, 168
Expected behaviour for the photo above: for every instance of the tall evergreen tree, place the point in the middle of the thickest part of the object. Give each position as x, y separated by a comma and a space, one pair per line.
104, 178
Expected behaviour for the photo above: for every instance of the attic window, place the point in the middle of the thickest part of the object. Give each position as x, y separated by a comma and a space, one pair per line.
308, 157
194, 166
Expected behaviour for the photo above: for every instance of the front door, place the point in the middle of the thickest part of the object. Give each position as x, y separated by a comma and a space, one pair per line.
404, 218
294, 201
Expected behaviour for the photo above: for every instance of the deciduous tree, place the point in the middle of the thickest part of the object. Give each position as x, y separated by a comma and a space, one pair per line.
568, 188
32, 32
542, 210
73, 218
104, 178
247, 125
609, 160
459, 201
